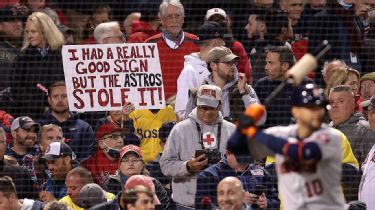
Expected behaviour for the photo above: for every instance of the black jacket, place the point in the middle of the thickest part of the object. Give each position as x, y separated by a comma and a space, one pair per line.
21, 179
30, 69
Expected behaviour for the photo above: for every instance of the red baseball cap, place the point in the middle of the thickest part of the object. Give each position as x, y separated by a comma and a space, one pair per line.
142, 180
105, 129
130, 148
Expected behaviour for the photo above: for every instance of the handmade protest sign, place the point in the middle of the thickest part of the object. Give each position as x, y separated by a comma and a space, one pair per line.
104, 77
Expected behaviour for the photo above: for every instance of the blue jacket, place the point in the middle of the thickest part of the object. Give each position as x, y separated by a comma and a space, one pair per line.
78, 134
209, 178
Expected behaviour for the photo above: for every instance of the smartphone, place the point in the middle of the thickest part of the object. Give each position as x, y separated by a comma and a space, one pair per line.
200, 152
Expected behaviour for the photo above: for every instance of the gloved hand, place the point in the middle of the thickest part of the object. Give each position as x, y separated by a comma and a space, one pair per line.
248, 123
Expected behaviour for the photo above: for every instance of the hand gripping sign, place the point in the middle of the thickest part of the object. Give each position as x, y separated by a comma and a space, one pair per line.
104, 77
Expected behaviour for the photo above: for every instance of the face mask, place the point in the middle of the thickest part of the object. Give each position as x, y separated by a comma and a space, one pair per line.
114, 153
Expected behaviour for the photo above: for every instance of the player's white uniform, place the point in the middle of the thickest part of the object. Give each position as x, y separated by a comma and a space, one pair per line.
320, 187
367, 186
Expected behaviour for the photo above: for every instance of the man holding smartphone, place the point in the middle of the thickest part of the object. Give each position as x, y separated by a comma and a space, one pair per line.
259, 192
204, 129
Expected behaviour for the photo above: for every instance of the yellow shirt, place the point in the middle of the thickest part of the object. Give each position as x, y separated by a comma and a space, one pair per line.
68, 201
147, 126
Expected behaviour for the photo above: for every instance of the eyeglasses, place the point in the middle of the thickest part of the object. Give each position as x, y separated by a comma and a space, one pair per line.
207, 108
131, 160
114, 136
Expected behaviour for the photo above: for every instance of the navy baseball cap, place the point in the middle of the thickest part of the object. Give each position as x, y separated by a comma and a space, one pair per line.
308, 95
211, 30
238, 145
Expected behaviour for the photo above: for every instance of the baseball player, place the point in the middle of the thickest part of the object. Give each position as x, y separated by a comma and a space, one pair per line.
308, 161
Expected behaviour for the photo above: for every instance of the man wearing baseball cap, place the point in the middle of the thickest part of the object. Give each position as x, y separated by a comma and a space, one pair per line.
205, 129
367, 85
104, 162
237, 94
131, 164
211, 34
24, 133
60, 160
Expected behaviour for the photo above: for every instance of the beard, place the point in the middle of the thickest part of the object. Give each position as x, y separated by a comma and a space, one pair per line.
28, 141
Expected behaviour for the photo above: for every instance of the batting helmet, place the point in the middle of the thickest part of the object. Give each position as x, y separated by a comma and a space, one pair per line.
308, 95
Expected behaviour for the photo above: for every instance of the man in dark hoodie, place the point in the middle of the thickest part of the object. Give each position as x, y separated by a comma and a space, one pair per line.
78, 133
237, 162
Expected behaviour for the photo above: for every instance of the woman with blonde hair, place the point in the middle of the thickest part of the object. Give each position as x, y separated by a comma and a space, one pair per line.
38, 65
344, 76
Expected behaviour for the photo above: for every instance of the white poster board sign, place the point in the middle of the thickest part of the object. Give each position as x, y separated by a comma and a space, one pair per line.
104, 77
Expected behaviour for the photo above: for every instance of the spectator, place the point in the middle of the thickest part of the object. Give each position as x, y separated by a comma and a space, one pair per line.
120, 119
367, 181
369, 106
78, 133
10, 43
279, 61
68, 34
24, 133
131, 164
173, 44
278, 33
367, 86
148, 24
211, 34
75, 180
127, 24
139, 198
100, 13
37, 67
9, 198
55, 205
60, 160
21, 177
237, 94
344, 76
145, 181
230, 194
48, 134
146, 124
108, 33
329, 68
104, 162
92, 194
220, 16
237, 162
204, 129
153, 167
351, 123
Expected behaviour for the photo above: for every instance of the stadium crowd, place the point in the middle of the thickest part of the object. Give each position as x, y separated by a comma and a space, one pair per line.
217, 58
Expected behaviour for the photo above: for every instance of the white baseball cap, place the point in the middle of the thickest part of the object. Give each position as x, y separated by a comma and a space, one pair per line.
209, 95
215, 11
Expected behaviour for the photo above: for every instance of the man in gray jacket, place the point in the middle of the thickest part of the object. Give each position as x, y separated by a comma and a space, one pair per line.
195, 143
350, 122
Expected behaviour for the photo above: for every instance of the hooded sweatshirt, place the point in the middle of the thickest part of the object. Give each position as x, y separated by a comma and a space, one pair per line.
232, 103
192, 75
182, 143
